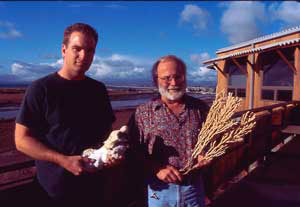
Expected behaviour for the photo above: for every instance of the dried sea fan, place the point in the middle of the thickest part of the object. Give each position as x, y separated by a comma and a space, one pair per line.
220, 131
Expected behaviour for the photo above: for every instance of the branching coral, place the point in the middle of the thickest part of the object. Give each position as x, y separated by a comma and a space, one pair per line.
220, 131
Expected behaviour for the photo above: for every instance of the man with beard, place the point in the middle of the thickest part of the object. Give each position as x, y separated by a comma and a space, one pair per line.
163, 133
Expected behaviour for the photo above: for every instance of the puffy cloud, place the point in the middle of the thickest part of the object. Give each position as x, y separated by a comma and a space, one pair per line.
194, 15
116, 69
29, 72
120, 68
199, 58
198, 72
8, 30
287, 11
241, 19
56, 64
202, 74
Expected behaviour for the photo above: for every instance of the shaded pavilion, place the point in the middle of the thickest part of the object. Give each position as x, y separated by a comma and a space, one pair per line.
263, 71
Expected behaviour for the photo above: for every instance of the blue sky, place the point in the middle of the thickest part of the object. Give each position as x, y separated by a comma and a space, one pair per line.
133, 35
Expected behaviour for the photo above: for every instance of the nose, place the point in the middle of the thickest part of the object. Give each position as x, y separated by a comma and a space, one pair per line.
173, 81
82, 54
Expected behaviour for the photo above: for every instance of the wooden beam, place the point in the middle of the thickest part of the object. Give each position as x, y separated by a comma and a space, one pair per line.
252, 66
239, 66
219, 69
286, 61
296, 91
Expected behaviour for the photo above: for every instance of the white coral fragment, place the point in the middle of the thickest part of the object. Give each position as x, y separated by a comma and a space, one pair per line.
115, 146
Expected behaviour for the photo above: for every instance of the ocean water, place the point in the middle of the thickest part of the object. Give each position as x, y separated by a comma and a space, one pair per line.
11, 112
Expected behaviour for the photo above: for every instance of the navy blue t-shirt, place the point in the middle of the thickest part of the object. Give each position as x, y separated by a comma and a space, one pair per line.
67, 116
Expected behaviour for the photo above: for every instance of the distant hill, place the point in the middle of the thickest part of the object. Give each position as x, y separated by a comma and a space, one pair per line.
21, 85
117, 84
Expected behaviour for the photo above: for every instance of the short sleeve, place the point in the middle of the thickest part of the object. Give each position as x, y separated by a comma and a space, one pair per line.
32, 112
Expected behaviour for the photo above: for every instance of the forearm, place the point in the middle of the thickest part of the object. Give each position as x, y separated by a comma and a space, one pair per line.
37, 150
32, 147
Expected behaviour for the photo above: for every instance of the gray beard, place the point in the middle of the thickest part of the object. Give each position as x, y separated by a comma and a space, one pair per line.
172, 97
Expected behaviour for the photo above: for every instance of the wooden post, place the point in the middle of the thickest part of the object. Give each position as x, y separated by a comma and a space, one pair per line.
296, 91
222, 83
257, 80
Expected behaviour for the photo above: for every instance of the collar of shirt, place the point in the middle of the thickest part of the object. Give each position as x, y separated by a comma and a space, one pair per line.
158, 103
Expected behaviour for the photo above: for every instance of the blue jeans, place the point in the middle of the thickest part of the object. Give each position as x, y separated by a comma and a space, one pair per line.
190, 193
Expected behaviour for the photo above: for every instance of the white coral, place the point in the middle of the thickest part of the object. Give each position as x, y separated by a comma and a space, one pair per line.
115, 146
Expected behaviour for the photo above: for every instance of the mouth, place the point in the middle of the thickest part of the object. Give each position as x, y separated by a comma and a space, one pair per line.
174, 89
79, 63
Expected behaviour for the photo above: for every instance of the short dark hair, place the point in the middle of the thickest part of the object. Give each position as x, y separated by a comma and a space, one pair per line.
79, 27
166, 59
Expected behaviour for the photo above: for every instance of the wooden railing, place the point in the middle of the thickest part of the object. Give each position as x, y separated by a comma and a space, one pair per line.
20, 176
257, 145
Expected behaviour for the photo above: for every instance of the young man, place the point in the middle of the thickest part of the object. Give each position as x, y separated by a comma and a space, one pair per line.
63, 114
164, 131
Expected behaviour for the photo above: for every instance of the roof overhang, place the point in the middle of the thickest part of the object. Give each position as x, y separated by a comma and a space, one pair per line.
264, 48
272, 36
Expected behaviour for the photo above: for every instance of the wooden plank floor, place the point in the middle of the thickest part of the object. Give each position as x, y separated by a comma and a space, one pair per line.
275, 184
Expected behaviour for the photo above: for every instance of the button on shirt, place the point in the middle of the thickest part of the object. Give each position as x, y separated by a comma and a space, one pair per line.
170, 139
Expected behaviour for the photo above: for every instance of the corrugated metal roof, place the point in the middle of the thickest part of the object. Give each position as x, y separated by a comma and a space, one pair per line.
254, 50
261, 39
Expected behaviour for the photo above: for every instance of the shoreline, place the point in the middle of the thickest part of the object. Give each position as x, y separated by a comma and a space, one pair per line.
13, 98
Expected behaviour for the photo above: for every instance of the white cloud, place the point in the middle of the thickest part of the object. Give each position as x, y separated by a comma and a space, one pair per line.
29, 72
241, 19
56, 64
116, 69
8, 30
19, 70
120, 67
199, 72
203, 74
194, 15
199, 58
287, 11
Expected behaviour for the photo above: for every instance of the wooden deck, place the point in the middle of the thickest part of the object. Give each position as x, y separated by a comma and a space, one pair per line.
274, 182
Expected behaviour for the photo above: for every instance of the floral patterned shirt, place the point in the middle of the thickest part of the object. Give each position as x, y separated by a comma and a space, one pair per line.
169, 139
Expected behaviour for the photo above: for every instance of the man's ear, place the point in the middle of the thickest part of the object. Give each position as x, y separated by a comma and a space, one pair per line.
63, 50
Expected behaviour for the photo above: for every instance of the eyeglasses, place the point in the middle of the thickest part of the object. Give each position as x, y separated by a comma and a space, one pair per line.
170, 78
